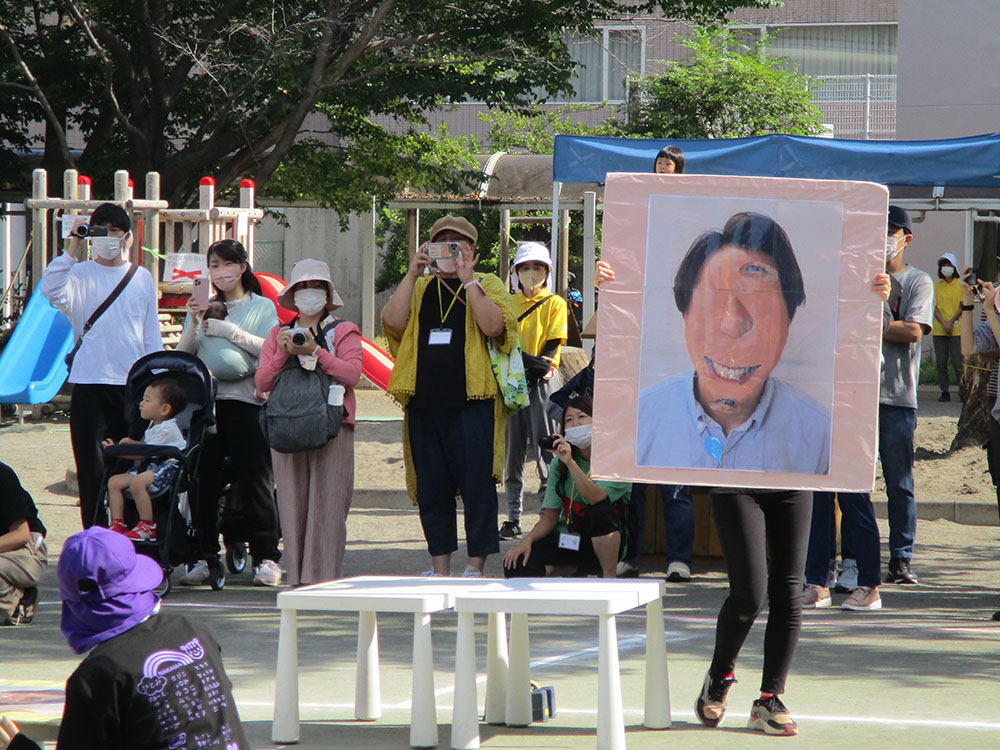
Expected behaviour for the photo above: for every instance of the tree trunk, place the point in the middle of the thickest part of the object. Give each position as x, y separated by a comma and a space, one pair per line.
974, 422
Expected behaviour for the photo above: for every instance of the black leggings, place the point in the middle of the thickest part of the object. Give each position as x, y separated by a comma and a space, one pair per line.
753, 528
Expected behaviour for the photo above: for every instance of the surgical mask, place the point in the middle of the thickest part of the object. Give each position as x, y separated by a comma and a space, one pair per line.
310, 301
579, 436
226, 278
893, 247
947, 271
107, 248
531, 278
446, 265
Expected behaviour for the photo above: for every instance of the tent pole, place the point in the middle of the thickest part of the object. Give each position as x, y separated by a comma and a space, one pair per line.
554, 244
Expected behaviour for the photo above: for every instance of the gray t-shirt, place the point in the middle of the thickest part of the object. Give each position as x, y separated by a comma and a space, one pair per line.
901, 362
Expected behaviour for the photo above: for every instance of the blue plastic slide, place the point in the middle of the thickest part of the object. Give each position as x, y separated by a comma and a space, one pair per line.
32, 366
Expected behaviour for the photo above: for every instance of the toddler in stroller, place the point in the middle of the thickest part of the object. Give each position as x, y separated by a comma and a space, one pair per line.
151, 377
161, 401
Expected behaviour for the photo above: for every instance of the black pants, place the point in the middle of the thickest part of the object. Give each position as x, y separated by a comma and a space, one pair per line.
96, 412
453, 452
750, 527
240, 438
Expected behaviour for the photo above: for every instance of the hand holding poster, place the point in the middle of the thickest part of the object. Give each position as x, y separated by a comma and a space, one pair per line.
740, 340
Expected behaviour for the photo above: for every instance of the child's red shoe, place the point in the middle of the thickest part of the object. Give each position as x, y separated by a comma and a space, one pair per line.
118, 526
144, 531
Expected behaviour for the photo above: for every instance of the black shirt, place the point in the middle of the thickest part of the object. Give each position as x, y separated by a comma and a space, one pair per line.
159, 685
441, 367
16, 503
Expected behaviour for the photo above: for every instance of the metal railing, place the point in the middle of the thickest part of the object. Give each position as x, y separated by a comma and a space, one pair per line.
858, 106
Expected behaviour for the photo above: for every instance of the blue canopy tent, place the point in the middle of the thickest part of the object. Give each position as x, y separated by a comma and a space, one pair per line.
918, 173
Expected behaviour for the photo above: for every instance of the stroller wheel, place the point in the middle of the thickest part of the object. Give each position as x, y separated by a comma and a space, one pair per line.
216, 575
236, 557
164, 588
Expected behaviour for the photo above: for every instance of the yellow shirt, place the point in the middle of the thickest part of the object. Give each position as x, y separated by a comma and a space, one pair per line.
547, 321
947, 298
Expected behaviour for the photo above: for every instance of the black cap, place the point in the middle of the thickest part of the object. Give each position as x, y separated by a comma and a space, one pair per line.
899, 218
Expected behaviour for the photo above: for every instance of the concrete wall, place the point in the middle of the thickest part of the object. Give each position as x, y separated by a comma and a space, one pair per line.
314, 232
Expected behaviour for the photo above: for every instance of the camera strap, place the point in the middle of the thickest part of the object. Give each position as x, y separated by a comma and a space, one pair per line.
534, 307
102, 308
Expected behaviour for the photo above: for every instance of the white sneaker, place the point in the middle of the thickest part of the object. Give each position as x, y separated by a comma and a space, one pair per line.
267, 574
431, 574
197, 575
626, 570
471, 572
847, 581
678, 572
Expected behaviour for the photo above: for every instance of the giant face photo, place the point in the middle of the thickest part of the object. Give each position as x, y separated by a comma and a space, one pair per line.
750, 297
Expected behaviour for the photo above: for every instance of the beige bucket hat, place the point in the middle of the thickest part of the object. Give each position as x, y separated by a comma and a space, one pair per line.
310, 269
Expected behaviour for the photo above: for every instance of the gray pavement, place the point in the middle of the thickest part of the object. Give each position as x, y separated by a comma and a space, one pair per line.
918, 674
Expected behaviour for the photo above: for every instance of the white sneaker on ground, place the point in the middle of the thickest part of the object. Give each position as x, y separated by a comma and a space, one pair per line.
431, 574
678, 572
471, 572
268, 573
816, 597
626, 570
863, 599
847, 581
197, 575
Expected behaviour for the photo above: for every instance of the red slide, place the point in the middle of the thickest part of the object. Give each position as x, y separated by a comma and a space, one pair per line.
376, 364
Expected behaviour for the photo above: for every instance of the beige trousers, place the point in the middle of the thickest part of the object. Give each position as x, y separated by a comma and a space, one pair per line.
21, 569
314, 495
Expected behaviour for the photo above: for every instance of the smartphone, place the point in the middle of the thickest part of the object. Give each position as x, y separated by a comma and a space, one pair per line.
438, 250
199, 291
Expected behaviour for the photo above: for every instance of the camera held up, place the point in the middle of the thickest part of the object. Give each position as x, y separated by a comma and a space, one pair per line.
85, 230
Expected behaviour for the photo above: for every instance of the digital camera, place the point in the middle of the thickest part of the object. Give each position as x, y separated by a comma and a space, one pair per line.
85, 230
547, 442
300, 336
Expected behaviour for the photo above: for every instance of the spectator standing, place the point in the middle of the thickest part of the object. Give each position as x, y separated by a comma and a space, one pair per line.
23, 555
912, 316
542, 318
127, 330
230, 349
150, 681
315, 486
454, 421
946, 334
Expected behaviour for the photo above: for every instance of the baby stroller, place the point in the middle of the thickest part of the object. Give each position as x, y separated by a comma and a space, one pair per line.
174, 504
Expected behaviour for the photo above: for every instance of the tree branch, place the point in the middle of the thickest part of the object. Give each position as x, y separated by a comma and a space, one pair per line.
58, 128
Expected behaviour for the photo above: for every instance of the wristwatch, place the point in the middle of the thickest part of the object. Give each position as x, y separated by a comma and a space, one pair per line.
968, 307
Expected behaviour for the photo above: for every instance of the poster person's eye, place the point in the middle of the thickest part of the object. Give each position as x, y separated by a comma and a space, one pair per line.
758, 270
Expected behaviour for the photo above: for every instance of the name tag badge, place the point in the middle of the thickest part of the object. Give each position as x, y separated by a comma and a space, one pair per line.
439, 337
569, 541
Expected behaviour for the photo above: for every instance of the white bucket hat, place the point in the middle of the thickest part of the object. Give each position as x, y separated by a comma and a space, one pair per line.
532, 251
310, 270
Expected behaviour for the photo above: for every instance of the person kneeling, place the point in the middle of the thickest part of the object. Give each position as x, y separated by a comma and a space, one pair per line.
580, 528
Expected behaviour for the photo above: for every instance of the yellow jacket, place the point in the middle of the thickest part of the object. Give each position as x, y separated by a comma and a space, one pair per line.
480, 383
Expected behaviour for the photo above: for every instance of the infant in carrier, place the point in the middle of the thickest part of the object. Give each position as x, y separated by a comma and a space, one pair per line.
216, 310
161, 402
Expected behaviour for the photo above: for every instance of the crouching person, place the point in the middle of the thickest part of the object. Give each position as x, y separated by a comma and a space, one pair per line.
580, 531
22, 551
150, 681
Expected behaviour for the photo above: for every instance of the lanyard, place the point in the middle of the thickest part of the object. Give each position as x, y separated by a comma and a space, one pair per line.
445, 314
568, 504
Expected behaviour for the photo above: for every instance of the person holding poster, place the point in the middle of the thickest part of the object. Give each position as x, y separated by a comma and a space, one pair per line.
737, 290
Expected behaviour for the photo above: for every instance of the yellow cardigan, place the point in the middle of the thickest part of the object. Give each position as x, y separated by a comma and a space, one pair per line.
480, 383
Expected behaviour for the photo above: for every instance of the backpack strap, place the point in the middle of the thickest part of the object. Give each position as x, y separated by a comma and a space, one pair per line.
534, 307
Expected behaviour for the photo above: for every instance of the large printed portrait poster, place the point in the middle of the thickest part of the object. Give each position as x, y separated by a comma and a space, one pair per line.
739, 344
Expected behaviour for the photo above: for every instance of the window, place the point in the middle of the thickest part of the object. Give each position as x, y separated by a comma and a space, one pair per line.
847, 49
603, 60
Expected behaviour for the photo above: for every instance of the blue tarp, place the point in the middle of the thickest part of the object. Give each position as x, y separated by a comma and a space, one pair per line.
957, 162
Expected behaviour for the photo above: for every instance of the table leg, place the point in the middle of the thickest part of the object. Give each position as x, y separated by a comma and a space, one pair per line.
285, 726
610, 718
423, 711
657, 708
465, 718
496, 669
519, 675
367, 686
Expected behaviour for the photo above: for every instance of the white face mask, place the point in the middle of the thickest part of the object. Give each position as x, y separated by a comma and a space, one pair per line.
579, 436
531, 278
947, 271
893, 247
106, 248
310, 301
446, 265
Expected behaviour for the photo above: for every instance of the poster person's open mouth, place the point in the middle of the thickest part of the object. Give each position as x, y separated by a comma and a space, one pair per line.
738, 375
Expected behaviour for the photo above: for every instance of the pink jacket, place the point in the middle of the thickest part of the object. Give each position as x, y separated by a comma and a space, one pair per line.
345, 367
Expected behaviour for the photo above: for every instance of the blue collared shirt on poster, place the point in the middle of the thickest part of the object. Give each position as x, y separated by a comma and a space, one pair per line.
787, 432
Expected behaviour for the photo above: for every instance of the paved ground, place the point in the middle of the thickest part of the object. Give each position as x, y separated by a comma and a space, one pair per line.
919, 674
